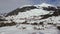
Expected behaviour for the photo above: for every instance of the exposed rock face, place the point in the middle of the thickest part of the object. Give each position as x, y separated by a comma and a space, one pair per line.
49, 8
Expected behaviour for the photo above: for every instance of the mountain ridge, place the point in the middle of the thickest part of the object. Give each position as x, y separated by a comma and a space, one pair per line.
44, 11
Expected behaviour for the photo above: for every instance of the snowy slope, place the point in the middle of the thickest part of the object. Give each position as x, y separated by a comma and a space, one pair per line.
45, 13
30, 13
13, 30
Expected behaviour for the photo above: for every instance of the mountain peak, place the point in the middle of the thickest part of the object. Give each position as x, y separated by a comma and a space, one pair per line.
45, 5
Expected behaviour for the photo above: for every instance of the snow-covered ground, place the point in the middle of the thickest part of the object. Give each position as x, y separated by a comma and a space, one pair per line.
15, 30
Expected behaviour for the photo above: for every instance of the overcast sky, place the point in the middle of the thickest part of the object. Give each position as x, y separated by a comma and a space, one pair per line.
9, 5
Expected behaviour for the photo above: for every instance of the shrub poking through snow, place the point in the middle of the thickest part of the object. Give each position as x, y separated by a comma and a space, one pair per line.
7, 24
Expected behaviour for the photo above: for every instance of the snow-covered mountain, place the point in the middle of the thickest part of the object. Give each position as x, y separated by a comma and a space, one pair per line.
32, 19
35, 13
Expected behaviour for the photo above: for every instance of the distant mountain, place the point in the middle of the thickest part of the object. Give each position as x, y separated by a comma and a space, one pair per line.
44, 12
